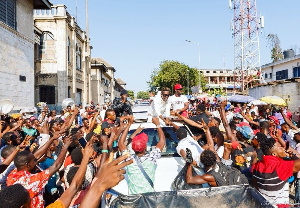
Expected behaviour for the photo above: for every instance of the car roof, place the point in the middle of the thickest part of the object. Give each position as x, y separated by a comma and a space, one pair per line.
149, 125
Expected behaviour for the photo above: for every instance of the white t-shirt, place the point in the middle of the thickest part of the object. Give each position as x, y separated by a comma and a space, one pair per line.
178, 102
220, 151
193, 145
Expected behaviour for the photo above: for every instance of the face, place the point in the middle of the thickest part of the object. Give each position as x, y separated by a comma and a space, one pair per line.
36, 122
124, 96
107, 131
111, 115
212, 122
28, 123
234, 132
56, 127
297, 138
16, 139
165, 95
178, 92
69, 108
254, 142
278, 151
52, 147
79, 134
85, 123
272, 123
32, 162
285, 128
54, 113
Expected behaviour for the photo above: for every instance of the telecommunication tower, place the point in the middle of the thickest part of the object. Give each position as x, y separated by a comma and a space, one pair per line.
245, 30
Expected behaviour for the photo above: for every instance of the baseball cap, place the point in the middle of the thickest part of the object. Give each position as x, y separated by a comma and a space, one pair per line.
178, 87
139, 142
123, 92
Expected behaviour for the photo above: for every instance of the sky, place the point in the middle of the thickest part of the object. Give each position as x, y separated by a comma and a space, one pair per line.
135, 36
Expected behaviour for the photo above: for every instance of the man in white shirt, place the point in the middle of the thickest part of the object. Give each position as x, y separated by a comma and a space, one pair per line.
186, 141
160, 107
179, 102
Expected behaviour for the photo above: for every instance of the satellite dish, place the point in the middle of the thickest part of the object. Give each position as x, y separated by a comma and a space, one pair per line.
67, 101
6, 106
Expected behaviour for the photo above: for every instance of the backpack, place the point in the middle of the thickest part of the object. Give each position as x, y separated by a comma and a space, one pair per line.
226, 176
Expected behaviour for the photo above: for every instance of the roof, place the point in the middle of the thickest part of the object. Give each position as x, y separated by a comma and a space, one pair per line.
101, 61
121, 82
281, 61
42, 4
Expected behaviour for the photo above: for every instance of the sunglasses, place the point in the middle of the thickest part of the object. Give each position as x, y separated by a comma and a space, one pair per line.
166, 95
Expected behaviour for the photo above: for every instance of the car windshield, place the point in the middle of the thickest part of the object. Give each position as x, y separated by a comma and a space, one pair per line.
171, 139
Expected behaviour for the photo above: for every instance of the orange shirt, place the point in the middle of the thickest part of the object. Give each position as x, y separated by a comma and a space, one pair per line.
34, 183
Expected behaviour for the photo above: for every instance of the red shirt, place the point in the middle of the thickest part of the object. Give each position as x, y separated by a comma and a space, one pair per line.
34, 183
68, 161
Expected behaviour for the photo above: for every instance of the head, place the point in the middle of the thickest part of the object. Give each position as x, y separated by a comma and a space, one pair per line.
285, 128
165, 93
25, 160
264, 127
110, 114
178, 89
217, 135
69, 109
208, 159
14, 124
77, 156
27, 123
181, 133
15, 196
8, 150
7, 137
257, 139
200, 108
139, 143
106, 128
85, 122
297, 137
124, 94
77, 133
214, 121
270, 147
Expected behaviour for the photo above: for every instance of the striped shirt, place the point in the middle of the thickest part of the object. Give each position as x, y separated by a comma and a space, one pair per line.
271, 178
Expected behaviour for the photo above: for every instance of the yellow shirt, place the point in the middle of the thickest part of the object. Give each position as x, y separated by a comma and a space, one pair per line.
56, 204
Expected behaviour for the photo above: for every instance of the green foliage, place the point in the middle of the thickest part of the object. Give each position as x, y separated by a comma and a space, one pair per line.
170, 73
216, 91
130, 94
274, 44
143, 95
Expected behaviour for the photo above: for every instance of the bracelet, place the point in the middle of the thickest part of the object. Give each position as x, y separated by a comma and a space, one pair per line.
18, 148
104, 151
158, 126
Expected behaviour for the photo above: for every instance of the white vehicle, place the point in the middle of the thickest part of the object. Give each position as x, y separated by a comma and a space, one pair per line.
170, 163
141, 112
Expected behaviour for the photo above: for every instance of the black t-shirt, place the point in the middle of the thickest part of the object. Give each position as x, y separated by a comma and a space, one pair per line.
240, 159
197, 131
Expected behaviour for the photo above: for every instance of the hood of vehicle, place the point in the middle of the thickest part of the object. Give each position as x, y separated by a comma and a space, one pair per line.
167, 169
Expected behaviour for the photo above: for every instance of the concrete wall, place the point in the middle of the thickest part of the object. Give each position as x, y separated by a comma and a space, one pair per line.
290, 92
17, 58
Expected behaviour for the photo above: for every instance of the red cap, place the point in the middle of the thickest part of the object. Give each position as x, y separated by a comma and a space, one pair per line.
177, 87
243, 124
274, 119
139, 142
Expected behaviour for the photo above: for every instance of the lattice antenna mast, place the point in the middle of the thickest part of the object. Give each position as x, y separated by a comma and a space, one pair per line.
245, 31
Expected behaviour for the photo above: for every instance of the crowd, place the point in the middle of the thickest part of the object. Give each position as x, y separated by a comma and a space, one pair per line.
70, 158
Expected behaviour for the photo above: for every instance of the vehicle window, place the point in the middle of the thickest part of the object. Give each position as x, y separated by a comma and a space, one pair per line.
171, 139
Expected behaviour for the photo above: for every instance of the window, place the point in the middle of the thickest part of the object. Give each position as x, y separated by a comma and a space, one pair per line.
8, 12
282, 74
208, 72
47, 94
221, 71
78, 57
266, 76
214, 71
270, 75
68, 45
296, 71
42, 46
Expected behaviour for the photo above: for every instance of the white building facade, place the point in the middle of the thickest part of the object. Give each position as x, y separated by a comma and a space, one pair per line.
17, 50
62, 59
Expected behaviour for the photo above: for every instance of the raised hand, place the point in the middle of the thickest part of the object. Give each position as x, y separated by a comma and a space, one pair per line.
112, 173
88, 150
224, 104
67, 140
155, 121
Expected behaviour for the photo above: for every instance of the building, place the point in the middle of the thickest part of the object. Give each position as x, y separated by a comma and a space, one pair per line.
17, 50
287, 68
104, 85
220, 78
62, 58
282, 79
